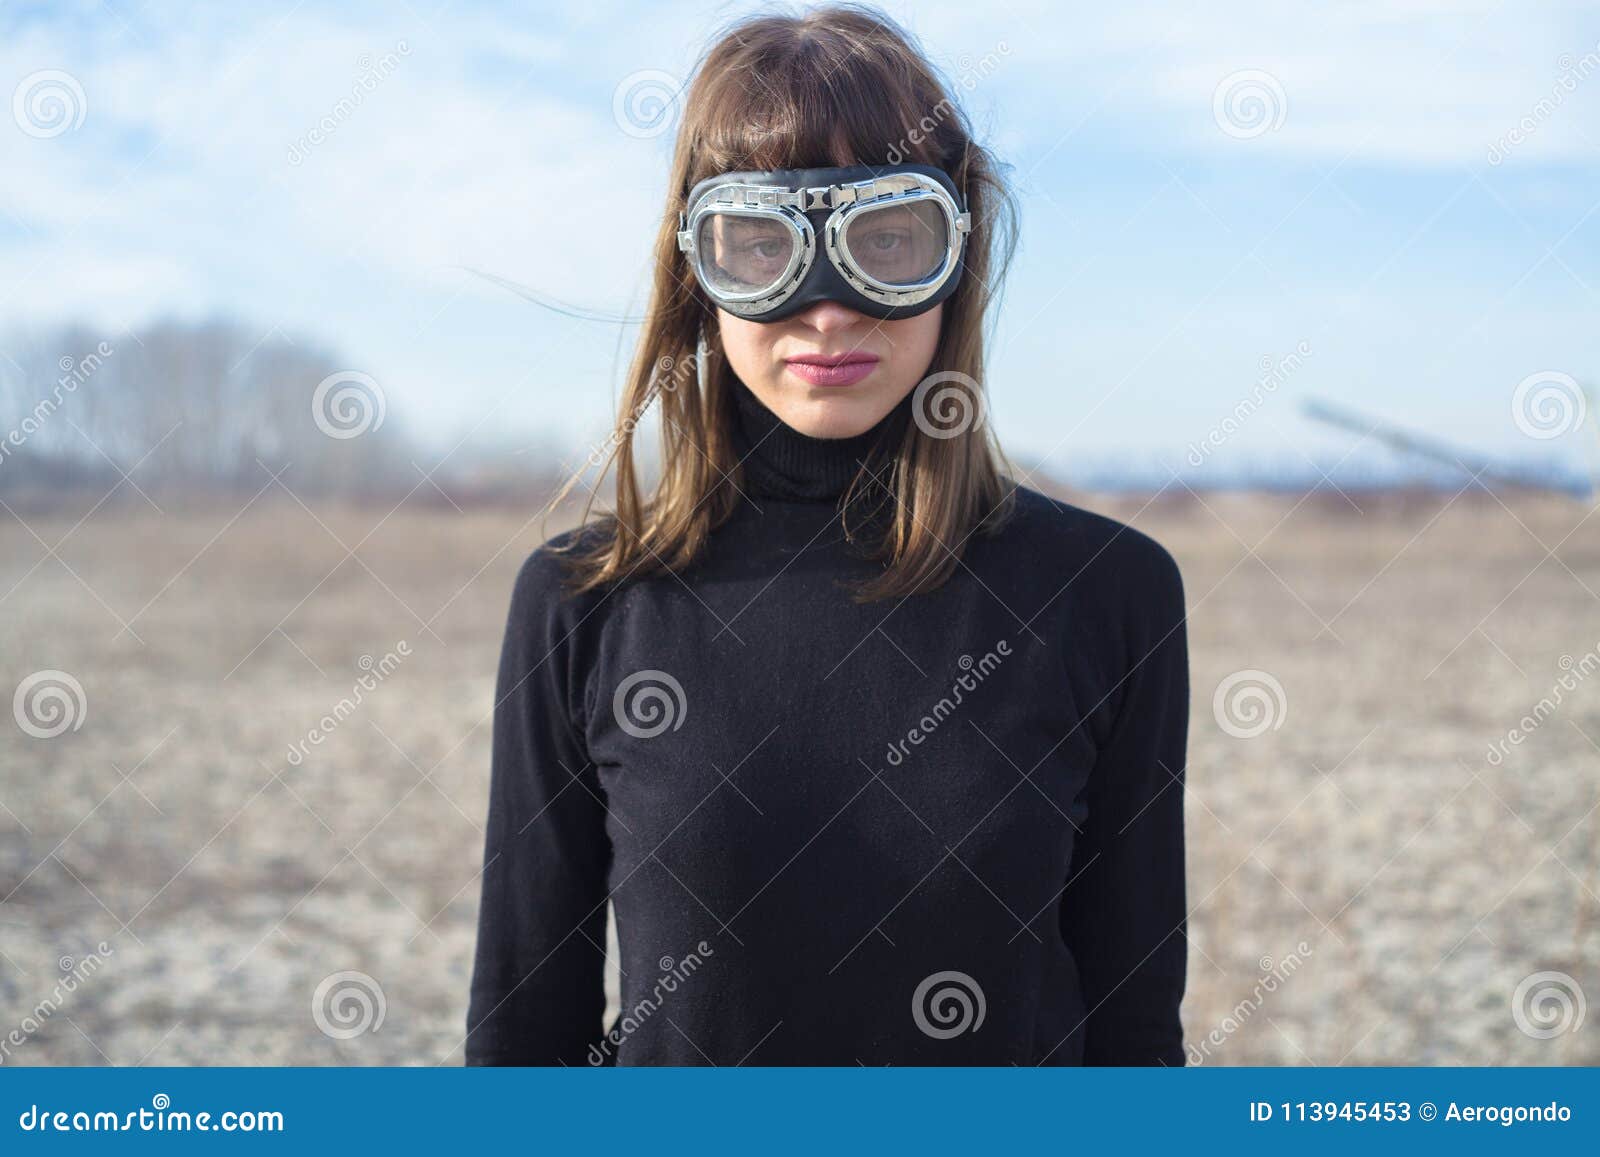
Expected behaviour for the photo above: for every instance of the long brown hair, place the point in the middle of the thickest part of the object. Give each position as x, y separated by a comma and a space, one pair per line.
838, 85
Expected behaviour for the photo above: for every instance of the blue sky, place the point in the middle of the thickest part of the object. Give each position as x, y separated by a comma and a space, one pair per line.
1380, 218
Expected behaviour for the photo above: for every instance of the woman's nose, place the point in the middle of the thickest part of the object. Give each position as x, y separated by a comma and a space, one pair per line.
830, 317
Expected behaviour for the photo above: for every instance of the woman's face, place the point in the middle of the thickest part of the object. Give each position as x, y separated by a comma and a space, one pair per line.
829, 371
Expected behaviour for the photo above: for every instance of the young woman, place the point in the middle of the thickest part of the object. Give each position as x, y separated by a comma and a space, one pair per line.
877, 755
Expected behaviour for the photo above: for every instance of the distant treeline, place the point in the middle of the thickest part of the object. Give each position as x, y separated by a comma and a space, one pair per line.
218, 408
213, 408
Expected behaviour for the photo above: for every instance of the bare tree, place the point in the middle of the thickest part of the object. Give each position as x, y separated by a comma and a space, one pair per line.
197, 408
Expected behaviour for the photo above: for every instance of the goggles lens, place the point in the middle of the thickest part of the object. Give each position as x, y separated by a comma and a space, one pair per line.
744, 253
898, 244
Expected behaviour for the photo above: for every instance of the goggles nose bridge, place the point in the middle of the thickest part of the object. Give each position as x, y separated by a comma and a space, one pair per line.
817, 197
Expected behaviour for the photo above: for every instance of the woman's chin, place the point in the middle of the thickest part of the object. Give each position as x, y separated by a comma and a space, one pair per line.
832, 412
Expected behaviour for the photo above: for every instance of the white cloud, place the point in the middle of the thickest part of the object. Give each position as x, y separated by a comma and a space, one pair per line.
1428, 82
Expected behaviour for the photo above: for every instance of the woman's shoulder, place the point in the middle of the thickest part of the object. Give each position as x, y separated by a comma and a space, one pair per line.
1092, 544
545, 586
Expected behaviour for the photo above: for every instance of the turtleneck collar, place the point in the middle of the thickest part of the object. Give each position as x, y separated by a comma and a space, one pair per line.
780, 462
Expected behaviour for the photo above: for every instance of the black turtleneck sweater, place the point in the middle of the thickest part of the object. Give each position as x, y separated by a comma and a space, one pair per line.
943, 830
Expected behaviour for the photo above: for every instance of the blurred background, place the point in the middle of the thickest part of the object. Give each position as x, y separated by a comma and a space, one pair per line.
305, 312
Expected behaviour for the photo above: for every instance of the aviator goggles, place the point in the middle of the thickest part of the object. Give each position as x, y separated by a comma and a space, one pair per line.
893, 237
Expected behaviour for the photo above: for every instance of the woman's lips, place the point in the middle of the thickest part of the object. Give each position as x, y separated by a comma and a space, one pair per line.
839, 370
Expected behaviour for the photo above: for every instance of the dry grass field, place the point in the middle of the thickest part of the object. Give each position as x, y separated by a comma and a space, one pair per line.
1367, 822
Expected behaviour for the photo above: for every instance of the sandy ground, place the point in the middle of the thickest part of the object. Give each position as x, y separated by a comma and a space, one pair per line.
1368, 885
